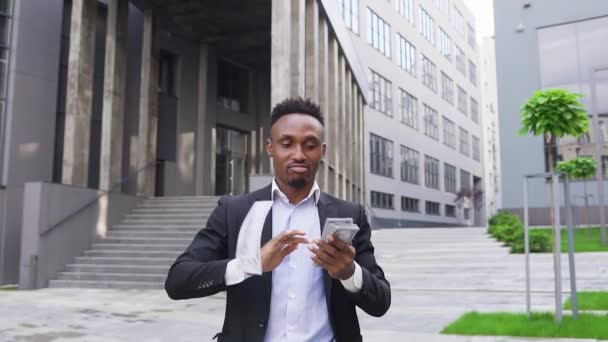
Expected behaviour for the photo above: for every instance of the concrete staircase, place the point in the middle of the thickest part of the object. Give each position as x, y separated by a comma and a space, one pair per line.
137, 252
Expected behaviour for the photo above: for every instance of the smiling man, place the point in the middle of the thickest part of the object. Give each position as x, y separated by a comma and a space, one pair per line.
310, 288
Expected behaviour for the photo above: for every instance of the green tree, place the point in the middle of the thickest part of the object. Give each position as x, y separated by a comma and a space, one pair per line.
580, 168
553, 113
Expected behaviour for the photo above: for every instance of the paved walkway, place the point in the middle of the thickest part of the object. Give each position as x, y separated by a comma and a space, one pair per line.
436, 275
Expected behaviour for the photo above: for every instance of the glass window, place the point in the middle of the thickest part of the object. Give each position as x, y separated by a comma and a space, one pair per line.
233, 86
462, 101
410, 204
405, 8
471, 36
447, 88
474, 110
427, 26
450, 210
465, 180
431, 172
431, 122
445, 44
459, 21
381, 200
409, 165
460, 60
409, 109
433, 208
476, 148
449, 177
429, 73
5, 19
379, 33
449, 133
382, 94
464, 142
406, 55
472, 73
444, 7
381, 156
350, 14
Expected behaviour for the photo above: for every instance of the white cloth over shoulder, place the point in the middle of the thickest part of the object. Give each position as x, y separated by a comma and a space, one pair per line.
248, 250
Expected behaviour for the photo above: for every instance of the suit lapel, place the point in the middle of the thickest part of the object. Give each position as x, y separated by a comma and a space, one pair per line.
266, 278
326, 209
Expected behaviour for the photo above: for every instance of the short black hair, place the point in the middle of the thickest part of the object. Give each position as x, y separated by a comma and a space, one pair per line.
296, 105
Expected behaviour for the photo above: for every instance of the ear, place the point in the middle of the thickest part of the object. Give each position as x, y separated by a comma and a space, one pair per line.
324, 148
269, 147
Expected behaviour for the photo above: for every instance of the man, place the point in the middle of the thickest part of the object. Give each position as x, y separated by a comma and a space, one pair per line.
309, 288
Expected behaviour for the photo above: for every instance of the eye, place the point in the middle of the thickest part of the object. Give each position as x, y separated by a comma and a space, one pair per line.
286, 144
311, 146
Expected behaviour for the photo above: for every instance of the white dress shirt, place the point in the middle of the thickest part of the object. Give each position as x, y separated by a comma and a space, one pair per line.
298, 308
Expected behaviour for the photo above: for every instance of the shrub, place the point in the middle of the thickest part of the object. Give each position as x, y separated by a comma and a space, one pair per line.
540, 242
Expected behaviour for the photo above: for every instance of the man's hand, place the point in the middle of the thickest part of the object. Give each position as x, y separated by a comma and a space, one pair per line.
275, 250
337, 257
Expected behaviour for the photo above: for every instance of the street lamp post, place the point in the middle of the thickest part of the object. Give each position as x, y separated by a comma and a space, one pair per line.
598, 150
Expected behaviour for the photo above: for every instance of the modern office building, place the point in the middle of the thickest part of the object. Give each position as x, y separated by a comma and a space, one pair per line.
145, 98
424, 119
549, 44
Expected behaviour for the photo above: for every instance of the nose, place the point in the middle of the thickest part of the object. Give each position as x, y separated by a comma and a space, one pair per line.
298, 154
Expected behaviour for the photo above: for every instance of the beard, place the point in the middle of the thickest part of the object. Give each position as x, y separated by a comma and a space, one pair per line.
297, 183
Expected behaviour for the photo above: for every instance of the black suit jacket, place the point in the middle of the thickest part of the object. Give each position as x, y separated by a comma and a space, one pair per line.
200, 271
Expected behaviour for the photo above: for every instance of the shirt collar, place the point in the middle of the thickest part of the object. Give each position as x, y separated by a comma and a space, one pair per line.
315, 192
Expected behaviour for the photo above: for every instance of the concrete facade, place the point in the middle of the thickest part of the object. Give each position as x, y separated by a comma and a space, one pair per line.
491, 133
392, 126
525, 34
135, 97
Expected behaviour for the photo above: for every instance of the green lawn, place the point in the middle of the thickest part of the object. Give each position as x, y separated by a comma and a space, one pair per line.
541, 325
8, 288
590, 301
585, 239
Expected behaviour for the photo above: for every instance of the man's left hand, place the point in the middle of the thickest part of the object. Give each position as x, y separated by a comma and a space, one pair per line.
337, 257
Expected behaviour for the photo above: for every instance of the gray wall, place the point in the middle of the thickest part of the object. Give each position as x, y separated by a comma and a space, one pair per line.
32, 92
517, 65
49, 242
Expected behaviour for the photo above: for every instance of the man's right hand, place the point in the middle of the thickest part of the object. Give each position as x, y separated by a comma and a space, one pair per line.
275, 250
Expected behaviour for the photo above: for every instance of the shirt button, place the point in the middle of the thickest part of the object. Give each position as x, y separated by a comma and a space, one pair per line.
292, 296
293, 266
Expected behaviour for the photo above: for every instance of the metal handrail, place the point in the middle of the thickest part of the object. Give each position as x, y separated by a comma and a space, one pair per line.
103, 193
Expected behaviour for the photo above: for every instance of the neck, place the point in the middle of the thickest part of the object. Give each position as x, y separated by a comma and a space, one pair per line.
295, 195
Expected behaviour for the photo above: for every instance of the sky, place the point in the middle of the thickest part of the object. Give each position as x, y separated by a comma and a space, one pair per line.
484, 12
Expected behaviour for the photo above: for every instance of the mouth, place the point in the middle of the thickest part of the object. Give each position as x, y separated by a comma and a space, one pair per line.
299, 168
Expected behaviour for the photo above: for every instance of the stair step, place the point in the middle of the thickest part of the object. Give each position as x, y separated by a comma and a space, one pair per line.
130, 269
162, 222
144, 233
148, 241
95, 284
174, 210
118, 253
154, 278
115, 260
184, 228
138, 247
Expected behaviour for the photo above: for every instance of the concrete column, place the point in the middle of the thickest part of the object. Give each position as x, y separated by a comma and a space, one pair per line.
202, 126
324, 89
114, 94
364, 145
312, 50
298, 47
280, 51
352, 141
346, 165
79, 94
340, 137
333, 109
148, 109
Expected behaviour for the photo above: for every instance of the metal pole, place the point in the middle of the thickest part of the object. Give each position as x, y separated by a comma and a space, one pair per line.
557, 265
598, 154
527, 248
572, 268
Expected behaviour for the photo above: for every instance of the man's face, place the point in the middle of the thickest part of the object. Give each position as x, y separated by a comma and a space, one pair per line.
296, 145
